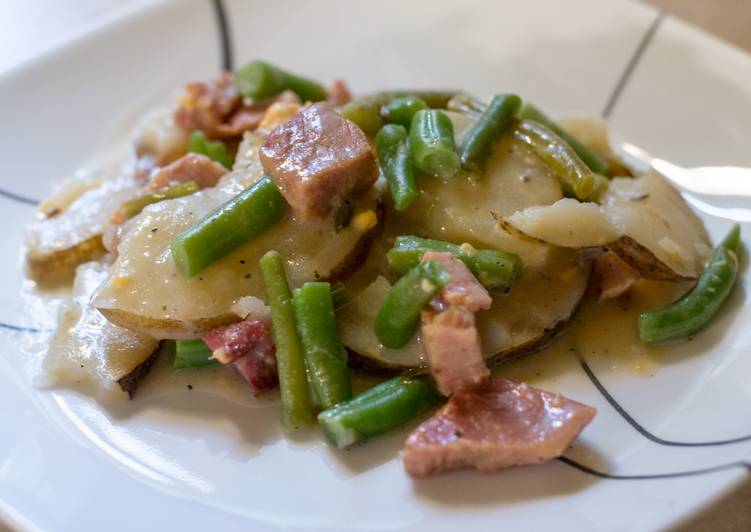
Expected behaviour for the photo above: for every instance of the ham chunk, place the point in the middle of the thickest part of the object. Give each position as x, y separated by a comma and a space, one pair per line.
612, 276
452, 344
318, 159
248, 346
217, 109
507, 424
448, 330
339, 93
191, 167
463, 289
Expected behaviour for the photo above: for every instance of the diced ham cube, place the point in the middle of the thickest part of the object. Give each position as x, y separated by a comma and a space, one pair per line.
507, 424
318, 159
249, 347
339, 93
463, 288
218, 110
452, 344
448, 330
190, 167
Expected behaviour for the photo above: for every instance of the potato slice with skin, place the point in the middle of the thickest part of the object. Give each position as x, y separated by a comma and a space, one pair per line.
56, 245
545, 296
85, 348
566, 223
145, 291
644, 220
541, 301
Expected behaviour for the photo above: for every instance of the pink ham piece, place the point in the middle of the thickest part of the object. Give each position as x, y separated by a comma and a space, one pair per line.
190, 167
463, 289
507, 424
339, 93
248, 346
612, 276
448, 331
318, 159
218, 110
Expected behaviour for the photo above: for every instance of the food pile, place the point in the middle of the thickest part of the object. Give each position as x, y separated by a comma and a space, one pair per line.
292, 233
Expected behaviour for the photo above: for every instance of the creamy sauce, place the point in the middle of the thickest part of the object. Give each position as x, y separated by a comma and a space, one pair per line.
603, 334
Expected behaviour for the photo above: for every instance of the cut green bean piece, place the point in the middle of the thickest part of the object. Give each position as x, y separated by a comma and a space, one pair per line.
229, 226
693, 311
496, 270
215, 150
392, 146
192, 354
401, 110
325, 357
134, 206
259, 80
596, 163
366, 111
575, 176
293, 382
431, 138
399, 315
488, 128
378, 410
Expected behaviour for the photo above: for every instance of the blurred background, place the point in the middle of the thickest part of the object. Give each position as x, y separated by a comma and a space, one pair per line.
29, 27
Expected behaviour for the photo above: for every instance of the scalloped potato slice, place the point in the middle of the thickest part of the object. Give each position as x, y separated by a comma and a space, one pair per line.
545, 296
541, 301
85, 348
73, 234
566, 223
145, 292
644, 220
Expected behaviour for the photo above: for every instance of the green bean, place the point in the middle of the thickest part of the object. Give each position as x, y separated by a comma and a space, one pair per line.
693, 311
325, 358
431, 138
239, 220
487, 130
496, 270
293, 382
596, 163
399, 315
392, 146
259, 79
575, 176
365, 111
134, 206
192, 354
378, 410
401, 110
215, 150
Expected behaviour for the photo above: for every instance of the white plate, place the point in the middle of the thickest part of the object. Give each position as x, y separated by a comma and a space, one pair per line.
193, 461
